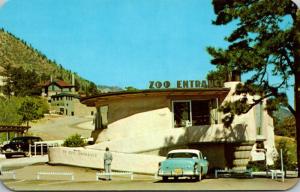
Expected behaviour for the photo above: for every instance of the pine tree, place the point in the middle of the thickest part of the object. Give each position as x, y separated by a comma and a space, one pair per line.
264, 43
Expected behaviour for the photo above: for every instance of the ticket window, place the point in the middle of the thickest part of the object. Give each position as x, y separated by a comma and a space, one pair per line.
200, 113
191, 113
182, 113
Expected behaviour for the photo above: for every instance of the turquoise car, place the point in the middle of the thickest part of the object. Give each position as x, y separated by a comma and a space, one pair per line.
183, 163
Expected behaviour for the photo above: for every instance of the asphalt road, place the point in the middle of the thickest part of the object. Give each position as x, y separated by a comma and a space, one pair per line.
152, 184
85, 180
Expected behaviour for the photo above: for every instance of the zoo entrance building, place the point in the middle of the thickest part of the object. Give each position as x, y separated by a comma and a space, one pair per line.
155, 121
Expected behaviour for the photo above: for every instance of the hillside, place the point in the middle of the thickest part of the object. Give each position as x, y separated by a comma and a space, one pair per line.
18, 53
105, 89
282, 113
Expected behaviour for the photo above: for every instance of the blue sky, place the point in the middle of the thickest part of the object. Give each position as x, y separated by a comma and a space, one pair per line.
120, 42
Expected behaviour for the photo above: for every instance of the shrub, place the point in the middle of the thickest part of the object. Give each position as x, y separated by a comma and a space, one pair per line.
257, 165
288, 147
74, 141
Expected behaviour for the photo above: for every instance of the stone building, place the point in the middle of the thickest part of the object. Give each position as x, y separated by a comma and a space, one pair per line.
63, 99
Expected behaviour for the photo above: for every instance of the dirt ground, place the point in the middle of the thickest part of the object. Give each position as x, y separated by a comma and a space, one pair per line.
61, 127
85, 179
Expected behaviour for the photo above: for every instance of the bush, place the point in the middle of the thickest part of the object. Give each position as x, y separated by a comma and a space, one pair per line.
74, 141
18, 110
288, 147
257, 165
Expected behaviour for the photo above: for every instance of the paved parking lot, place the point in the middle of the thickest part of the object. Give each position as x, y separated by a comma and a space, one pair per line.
85, 180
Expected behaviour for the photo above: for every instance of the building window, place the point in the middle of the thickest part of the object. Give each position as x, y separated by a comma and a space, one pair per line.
182, 113
191, 113
200, 113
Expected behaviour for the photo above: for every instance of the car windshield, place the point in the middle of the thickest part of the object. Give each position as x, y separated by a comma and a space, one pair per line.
182, 155
17, 140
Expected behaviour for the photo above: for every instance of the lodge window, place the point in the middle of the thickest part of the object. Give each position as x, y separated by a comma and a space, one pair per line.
191, 113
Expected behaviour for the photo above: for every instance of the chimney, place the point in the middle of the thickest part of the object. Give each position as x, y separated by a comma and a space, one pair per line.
73, 79
73, 83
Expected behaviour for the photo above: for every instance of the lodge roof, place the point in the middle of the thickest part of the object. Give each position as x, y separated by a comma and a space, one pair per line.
59, 83
192, 92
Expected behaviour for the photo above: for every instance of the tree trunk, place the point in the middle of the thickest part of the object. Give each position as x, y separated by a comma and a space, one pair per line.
297, 86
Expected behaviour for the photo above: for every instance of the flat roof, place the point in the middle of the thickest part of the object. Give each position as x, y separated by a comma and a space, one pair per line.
198, 92
13, 128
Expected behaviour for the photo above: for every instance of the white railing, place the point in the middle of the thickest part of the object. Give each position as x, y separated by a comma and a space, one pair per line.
44, 143
247, 172
39, 174
98, 174
12, 173
277, 173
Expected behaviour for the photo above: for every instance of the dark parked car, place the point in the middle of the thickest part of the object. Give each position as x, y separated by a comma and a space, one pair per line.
20, 146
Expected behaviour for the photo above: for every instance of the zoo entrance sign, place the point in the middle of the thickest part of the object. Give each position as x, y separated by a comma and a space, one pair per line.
185, 84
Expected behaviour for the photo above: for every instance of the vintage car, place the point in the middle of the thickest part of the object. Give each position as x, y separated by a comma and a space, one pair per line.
20, 146
183, 163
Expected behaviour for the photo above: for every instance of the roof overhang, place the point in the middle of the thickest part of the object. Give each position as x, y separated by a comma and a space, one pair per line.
13, 128
65, 95
175, 93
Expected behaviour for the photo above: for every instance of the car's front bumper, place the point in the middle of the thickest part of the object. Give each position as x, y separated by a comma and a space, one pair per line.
174, 173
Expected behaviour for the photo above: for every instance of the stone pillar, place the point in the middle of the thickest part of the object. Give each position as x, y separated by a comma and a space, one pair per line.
242, 155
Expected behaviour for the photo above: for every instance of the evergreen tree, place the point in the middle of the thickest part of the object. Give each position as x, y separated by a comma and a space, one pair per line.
19, 82
262, 43
92, 89
30, 109
265, 43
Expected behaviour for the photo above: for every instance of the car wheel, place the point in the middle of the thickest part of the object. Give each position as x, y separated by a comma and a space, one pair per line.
176, 178
8, 156
26, 154
199, 178
165, 178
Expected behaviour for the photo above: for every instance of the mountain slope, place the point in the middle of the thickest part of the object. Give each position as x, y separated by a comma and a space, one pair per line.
18, 53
